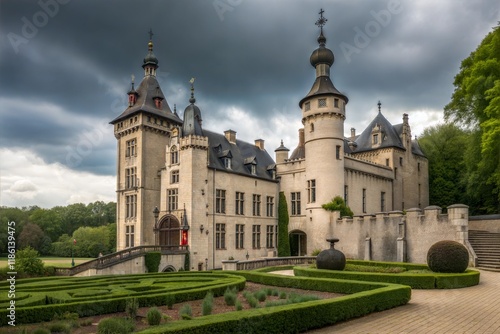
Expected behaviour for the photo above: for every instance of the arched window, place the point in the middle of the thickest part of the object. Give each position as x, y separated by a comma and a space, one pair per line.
169, 231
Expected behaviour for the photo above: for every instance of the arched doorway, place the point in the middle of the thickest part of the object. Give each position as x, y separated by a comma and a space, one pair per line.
298, 243
169, 269
169, 231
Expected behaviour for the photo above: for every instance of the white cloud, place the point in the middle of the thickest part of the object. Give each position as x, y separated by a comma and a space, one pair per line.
27, 180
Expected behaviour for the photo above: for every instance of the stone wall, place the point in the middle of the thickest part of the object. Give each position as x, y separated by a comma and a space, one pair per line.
490, 223
396, 237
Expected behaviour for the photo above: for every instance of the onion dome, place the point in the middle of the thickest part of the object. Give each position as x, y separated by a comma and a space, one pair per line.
150, 58
322, 55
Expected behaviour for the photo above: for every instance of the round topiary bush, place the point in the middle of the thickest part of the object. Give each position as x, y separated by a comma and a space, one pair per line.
448, 257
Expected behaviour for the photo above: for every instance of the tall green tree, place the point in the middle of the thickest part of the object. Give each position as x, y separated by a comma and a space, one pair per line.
476, 104
444, 147
283, 239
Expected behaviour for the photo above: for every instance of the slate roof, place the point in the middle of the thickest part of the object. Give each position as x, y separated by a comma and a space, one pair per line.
242, 155
390, 137
323, 85
149, 88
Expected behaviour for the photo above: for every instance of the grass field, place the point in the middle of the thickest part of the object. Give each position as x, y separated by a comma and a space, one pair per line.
62, 262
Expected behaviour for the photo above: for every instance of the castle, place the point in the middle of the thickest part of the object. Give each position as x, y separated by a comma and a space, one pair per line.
179, 184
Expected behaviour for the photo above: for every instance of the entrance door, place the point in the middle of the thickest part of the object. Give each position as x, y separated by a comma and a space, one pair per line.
298, 243
169, 231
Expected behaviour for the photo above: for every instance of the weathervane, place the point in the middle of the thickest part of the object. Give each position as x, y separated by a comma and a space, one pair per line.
379, 105
322, 20
192, 100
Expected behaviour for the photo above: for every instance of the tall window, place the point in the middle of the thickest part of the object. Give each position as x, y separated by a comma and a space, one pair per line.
131, 148
129, 236
270, 206
240, 201
364, 200
227, 162
382, 201
256, 205
311, 191
337, 152
346, 195
220, 201
220, 236
174, 156
174, 176
270, 236
240, 235
130, 177
172, 198
295, 203
255, 236
130, 206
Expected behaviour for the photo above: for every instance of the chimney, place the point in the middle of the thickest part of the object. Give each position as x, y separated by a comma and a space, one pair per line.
259, 143
301, 137
353, 134
230, 136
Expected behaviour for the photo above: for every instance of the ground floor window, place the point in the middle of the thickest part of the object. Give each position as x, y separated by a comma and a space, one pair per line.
270, 236
256, 236
240, 234
220, 236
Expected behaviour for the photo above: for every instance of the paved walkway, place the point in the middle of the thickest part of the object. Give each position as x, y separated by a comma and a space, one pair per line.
469, 310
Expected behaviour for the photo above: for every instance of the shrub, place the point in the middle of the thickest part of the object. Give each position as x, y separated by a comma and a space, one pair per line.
275, 293
170, 301
41, 331
186, 262
260, 295
282, 295
152, 261
269, 291
283, 220
316, 252
338, 204
448, 257
186, 312
230, 297
115, 326
60, 327
208, 303
28, 262
154, 316
238, 305
131, 307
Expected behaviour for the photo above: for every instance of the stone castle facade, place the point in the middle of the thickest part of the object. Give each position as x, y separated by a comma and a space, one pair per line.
179, 184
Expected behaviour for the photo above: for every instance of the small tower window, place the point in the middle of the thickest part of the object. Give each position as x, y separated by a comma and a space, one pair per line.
321, 103
336, 103
312, 127
307, 106
174, 155
337, 152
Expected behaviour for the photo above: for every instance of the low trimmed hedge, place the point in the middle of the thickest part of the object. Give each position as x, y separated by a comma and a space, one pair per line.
429, 280
293, 318
58, 302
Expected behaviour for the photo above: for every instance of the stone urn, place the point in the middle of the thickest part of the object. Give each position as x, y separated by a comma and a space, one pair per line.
332, 258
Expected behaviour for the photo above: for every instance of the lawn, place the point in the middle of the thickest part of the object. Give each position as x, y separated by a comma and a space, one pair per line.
62, 262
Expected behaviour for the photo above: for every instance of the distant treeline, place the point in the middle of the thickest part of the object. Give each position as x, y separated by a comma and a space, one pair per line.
54, 231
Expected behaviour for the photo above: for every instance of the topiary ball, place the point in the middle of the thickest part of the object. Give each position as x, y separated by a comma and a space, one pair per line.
448, 257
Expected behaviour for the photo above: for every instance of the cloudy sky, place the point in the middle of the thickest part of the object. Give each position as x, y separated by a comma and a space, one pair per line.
65, 68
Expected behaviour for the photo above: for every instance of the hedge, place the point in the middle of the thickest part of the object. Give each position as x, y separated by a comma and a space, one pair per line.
293, 318
429, 280
49, 301
152, 261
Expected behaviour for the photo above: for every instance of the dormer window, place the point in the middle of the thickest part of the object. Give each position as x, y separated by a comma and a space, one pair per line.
251, 164
375, 139
227, 162
253, 169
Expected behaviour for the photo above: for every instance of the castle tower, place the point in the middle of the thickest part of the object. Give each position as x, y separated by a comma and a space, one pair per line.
323, 114
142, 132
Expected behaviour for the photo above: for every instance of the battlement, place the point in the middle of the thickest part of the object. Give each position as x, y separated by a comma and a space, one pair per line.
193, 141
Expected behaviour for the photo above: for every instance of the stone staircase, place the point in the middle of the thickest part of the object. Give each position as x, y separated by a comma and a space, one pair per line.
487, 247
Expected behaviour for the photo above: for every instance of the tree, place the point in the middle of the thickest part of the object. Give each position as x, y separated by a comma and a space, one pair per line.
31, 236
28, 262
338, 204
283, 239
444, 147
90, 241
475, 104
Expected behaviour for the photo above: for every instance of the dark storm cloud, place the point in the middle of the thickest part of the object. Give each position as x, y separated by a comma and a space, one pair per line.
253, 55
